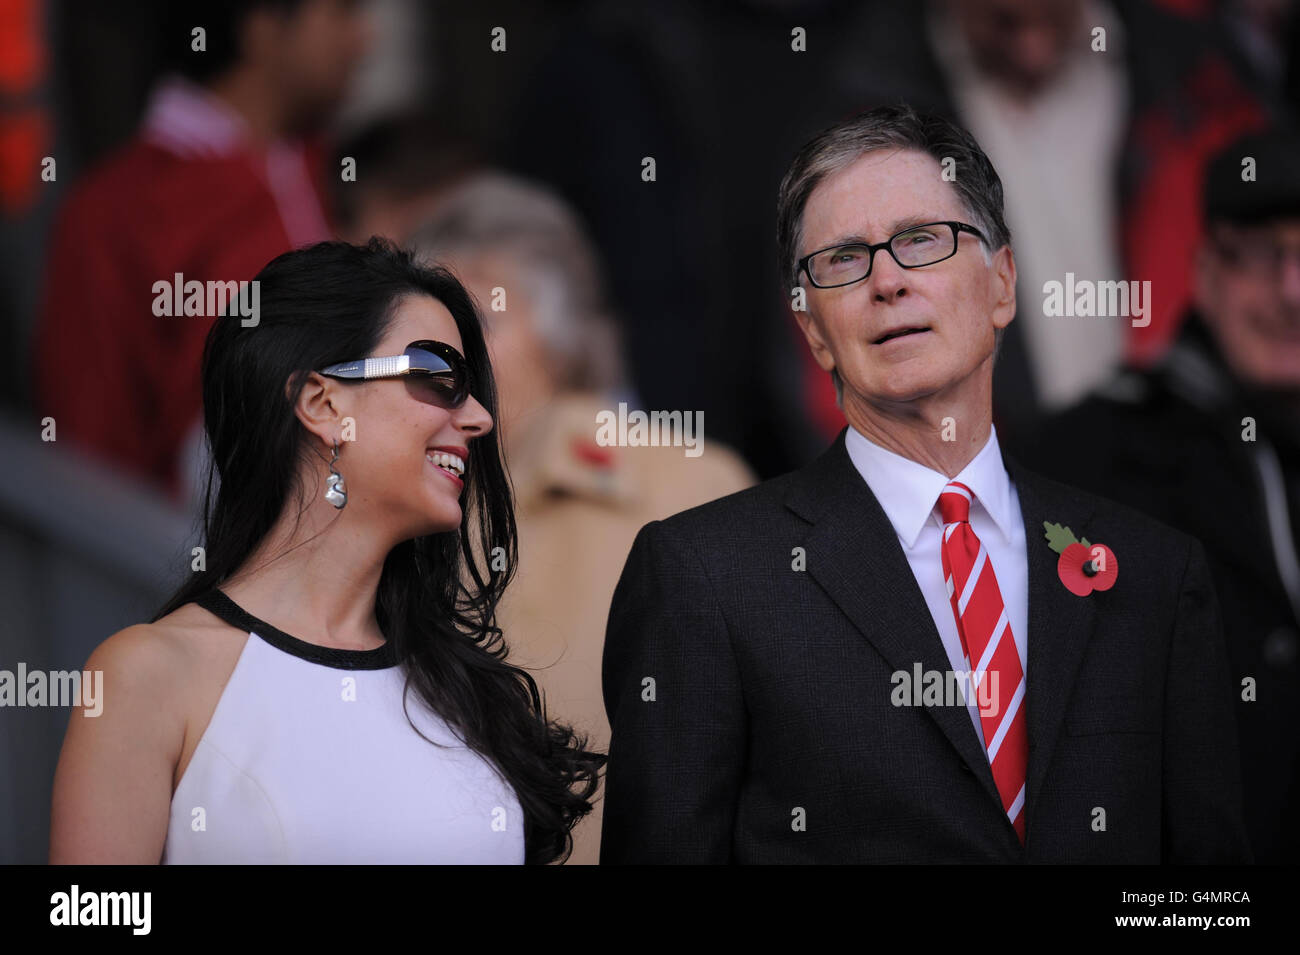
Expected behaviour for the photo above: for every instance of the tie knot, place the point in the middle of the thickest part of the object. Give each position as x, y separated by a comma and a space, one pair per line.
954, 503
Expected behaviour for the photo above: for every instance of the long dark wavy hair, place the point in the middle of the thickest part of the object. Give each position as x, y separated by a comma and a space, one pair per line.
438, 594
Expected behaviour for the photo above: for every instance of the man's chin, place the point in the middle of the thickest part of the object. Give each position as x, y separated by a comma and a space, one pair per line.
898, 388
1271, 366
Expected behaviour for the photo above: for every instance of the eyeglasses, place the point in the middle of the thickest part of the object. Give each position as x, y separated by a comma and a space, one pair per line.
436, 369
912, 248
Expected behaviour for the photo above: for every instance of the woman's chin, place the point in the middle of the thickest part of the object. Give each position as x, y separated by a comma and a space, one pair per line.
445, 517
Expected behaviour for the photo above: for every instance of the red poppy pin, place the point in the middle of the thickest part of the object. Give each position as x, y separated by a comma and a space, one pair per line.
1082, 567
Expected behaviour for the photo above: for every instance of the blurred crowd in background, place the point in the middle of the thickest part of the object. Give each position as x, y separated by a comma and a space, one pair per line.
510, 139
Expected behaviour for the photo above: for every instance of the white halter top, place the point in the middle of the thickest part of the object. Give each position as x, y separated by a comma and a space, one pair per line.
309, 759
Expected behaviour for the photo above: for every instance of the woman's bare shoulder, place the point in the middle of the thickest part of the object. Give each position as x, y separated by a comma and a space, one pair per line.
117, 772
166, 652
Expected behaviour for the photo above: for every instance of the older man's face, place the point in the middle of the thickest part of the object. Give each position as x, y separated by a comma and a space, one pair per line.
956, 305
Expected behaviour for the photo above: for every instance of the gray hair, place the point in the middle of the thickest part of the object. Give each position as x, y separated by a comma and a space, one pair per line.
493, 214
976, 181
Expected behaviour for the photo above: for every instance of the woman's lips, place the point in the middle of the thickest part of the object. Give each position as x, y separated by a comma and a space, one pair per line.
447, 474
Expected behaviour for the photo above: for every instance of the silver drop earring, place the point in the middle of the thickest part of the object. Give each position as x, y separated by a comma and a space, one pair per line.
335, 493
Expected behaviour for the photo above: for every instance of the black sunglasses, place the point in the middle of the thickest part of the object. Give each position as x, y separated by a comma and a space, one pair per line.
435, 367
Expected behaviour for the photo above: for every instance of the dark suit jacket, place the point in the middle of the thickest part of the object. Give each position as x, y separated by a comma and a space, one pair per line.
772, 693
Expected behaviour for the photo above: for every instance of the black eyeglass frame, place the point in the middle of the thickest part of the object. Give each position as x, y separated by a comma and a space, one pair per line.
887, 245
399, 366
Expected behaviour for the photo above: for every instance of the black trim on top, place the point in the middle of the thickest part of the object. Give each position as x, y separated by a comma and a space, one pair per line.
215, 601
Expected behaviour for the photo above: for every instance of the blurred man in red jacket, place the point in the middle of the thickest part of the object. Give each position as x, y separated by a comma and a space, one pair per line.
223, 174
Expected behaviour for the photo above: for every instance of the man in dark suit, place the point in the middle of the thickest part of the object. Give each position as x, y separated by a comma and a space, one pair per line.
914, 650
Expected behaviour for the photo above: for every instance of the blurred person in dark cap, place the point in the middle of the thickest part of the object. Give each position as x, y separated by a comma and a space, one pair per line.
579, 500
224, 173
1209, 442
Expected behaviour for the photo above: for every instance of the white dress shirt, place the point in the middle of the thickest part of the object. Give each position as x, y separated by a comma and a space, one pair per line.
908, 493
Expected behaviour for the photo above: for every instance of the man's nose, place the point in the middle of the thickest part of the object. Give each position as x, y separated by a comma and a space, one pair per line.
888, 279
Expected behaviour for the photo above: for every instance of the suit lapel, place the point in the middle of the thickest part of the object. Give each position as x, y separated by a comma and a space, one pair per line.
1060, 623
855, 556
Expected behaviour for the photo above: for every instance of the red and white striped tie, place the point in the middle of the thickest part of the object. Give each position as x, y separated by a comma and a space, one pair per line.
986, 639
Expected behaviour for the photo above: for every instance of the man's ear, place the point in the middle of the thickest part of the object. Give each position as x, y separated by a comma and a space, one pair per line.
821, 353
1004, 287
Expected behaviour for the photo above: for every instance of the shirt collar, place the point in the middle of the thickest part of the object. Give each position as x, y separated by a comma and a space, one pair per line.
186, 119
908, 491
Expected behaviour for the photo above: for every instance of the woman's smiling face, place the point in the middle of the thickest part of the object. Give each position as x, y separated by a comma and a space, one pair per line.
399, 466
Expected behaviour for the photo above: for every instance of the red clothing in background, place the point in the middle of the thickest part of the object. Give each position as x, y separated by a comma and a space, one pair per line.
186, 195
1163, 223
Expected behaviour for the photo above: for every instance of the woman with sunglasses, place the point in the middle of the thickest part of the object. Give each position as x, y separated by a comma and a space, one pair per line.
329, 684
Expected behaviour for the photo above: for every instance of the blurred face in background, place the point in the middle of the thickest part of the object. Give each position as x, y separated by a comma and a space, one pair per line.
1248, 290
956, 304
311, 53
1022, 44
527, 374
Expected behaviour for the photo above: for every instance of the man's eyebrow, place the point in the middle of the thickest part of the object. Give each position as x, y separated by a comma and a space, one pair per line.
895, 227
